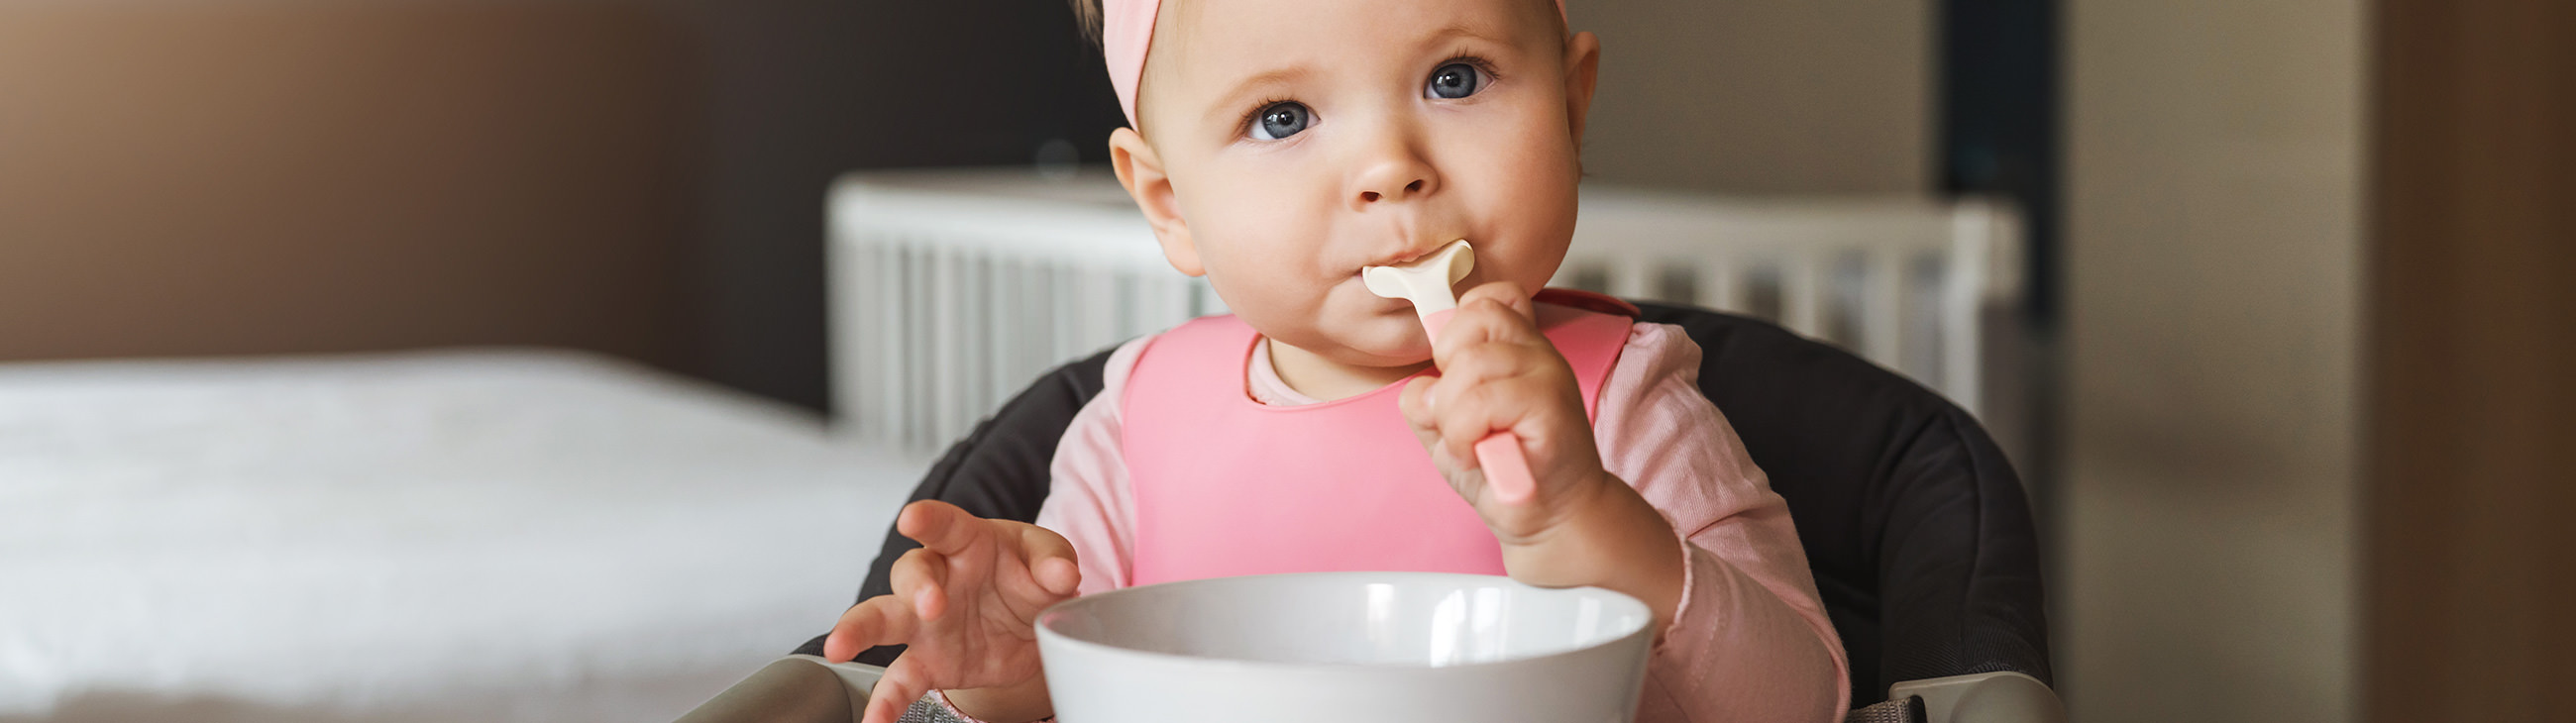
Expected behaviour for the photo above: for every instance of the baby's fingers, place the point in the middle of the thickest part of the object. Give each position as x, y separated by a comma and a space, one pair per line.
903, 683
1491, 313
921, 579
1467, 412
1415, 402
1509, 294
880, 620
940, 527
1432, 426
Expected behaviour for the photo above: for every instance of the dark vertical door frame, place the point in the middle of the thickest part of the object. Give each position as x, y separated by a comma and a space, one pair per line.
2469, 562
1998, 123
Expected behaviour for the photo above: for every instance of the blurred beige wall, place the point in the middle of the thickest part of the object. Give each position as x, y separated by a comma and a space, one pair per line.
270, 176
2213, 246
1762, 96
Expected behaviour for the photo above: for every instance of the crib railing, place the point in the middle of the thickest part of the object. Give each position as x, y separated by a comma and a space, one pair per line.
952, 289
1903, 282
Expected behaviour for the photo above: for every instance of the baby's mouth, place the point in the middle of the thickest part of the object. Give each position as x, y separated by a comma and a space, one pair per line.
1423, 251
1404, 259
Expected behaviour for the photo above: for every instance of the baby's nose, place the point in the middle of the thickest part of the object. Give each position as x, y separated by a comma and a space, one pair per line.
1394, 173
1410, 189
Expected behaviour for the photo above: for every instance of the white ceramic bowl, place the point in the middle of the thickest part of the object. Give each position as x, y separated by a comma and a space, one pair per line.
1356, 646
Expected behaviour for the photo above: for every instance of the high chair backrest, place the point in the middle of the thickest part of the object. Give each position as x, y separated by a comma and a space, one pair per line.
1917, 530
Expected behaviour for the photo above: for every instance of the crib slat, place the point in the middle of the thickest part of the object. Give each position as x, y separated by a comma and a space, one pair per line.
944, 319
850, 309
971, 298
1972, 232
921, 380
955, 342
1718, 285
967, 299
1131, 294
1036, 337
1632, 277
891, 369
1159, 299
1000, 297
976, 367
918, 428
1098, 308
1883, 307
885, 378
1923, 346
1061, 292
1802, 295
1001, 332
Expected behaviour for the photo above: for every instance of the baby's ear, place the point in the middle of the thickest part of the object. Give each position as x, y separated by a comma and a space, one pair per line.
1141, 171
1582, 70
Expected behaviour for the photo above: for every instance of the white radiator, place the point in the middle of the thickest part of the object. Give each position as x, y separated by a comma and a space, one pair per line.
952, 289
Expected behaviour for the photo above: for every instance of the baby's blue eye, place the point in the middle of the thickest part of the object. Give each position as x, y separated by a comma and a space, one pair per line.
1281, 120
1456, 80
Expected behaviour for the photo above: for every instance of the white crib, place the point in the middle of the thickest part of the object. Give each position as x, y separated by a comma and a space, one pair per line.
951, 289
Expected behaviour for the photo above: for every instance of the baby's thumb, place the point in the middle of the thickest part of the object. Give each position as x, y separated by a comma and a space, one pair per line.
1051, 561
1058, 575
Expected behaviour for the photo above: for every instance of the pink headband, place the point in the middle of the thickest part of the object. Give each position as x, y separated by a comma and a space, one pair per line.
1126, 31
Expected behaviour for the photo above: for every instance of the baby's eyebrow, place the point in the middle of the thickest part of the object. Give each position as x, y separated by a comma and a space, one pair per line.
1457, 30
1231, 103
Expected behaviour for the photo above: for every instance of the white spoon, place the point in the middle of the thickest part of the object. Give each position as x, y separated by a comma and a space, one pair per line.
1427, 283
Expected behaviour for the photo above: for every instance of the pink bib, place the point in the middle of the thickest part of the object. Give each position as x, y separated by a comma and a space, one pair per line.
1225, 485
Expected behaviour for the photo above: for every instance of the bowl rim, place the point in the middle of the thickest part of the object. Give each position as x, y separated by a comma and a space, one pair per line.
1048, 633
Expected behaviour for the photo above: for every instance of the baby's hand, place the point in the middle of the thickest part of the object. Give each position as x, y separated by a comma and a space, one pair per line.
1581, 526
966, 602
1497, 372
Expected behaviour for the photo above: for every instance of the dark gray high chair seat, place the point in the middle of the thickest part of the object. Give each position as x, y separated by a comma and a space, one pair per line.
1914, 524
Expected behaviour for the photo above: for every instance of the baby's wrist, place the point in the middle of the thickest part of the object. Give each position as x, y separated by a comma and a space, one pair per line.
1610, 537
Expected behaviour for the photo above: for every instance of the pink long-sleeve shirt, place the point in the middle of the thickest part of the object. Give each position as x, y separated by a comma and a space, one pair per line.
1749, 641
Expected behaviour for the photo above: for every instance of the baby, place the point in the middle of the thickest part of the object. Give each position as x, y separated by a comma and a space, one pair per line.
1278, 148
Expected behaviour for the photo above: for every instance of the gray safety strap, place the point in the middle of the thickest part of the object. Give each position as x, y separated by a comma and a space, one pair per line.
928, 710
1908, 709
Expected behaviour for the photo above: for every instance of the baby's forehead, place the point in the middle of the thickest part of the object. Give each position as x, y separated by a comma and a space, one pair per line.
1202, 43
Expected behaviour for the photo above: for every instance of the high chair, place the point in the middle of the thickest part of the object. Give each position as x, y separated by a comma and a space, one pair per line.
1917, 530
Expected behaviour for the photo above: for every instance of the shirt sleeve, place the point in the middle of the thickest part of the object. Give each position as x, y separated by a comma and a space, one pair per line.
1088, 501
1750, 640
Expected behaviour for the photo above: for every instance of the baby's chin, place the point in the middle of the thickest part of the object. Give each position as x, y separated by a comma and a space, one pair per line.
1386, 340
1373, 340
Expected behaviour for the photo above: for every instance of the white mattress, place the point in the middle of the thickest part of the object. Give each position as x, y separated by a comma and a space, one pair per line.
485, 535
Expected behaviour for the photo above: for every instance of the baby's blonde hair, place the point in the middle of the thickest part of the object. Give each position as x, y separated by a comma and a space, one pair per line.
1087, 14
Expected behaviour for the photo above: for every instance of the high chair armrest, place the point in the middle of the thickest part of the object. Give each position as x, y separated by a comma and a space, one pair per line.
793, 689
1999, 697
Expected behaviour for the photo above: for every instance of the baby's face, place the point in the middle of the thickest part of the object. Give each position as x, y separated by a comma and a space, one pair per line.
1307, 139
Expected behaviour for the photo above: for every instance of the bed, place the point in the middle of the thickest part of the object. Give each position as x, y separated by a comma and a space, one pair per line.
490, 535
